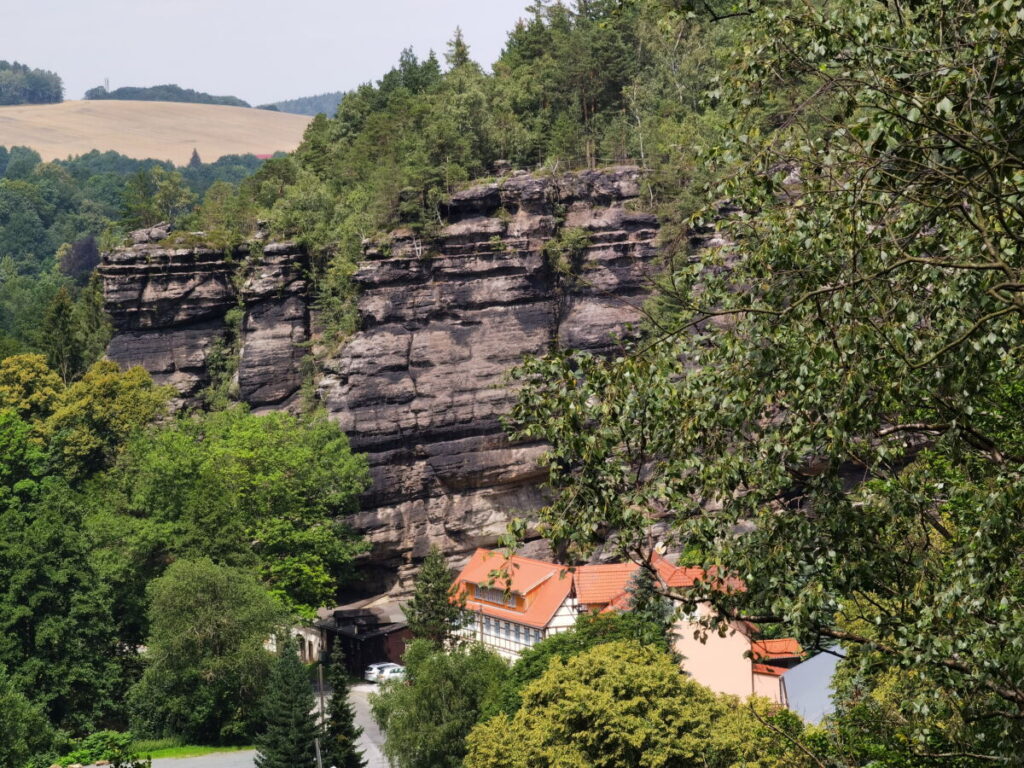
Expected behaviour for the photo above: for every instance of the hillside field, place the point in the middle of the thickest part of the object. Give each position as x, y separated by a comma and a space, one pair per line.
149, 129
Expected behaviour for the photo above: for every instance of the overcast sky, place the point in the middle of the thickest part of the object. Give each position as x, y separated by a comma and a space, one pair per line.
258, 50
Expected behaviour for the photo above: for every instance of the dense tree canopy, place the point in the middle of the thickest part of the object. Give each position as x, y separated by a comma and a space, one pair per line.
206, 667
841, 381
624, 705
21, 84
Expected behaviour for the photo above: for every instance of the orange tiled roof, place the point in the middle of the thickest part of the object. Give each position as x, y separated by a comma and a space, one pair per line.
546, 585
764, 669
597, 584
782, 648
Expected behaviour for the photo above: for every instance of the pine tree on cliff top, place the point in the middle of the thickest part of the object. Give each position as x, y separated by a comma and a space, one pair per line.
291, 727
432, 613
340, 731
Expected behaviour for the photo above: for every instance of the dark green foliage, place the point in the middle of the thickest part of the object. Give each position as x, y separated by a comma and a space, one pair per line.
20, 84
651, 614
168, 92
206, 668
59, 337
290, 726
57, 631
24, 730
426, 720
255, 491
340, 730
433, 613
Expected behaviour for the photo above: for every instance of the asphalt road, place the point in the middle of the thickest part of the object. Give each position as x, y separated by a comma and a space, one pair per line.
370, 741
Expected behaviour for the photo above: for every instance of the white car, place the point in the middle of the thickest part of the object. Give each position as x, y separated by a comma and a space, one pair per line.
394, 672
375, 672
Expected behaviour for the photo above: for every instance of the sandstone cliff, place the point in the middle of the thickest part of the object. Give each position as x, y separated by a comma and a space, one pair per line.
523, 264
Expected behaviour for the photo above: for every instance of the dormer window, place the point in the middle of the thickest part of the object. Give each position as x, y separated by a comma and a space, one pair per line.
494, 595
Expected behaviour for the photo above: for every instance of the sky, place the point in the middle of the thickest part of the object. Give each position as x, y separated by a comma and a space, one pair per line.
258, 50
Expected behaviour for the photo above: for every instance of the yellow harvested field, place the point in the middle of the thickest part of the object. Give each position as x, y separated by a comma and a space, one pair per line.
149, 129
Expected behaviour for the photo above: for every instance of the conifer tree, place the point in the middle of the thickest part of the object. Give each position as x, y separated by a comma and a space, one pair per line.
458, 52
195, 161
433, 613
291, 727
340, 729
650, 611
60, 336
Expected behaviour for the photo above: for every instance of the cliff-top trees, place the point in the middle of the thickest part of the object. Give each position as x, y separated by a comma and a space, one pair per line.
851, 387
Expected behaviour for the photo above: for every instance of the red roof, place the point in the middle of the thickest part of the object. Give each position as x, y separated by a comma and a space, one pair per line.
603, 584
597, 584
544, 585
781, 648
764, 669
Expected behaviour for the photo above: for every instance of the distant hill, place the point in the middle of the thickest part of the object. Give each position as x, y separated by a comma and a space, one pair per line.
310, 105
149, 129
20, 84
168, 92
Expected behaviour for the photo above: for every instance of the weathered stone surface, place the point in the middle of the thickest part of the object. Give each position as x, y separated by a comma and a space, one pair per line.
170, 307
422, 388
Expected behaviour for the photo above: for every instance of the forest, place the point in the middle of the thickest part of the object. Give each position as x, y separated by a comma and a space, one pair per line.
827, 404
21, 84
169, 92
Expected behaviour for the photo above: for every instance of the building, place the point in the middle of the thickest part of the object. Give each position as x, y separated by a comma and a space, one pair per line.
367, 633
532, 600
517, 601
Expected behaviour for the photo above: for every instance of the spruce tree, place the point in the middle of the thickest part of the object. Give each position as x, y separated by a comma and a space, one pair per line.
60, 336
340, 730
433, 613
651, 612
291, 726
195, 161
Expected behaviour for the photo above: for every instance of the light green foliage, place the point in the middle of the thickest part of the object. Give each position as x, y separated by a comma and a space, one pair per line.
28, 386
260, 491
99, 413
426, 720
624, 705
433, 613
868, 309
341, 733
113, 746
290, 726
206, 667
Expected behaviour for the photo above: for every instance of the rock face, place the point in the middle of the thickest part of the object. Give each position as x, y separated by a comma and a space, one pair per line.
422, 387
172, 307
522, 265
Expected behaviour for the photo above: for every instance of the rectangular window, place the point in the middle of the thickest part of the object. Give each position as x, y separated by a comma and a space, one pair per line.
508, 630
494, 595
518, 638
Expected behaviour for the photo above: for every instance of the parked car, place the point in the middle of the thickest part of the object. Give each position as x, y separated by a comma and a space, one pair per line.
374, 672
394, 672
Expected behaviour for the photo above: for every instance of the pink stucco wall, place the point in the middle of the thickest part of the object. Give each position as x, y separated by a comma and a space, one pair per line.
718, 662
770, 686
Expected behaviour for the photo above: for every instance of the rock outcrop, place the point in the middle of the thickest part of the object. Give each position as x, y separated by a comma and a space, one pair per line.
522, 265
173, 307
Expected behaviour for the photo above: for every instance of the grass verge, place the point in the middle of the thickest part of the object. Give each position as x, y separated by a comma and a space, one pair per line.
158, 748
